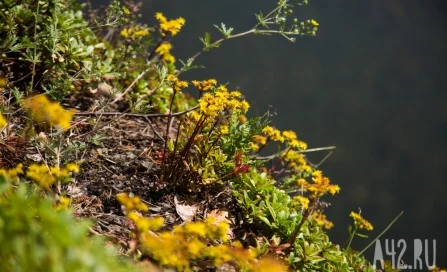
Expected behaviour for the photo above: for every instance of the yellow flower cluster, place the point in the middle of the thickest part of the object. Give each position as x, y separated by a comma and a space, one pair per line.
213, 104
273, 134
171, 26
144, 224
46, 177
13, 172
3, 121
321, 185
361, 222
304, 201
135, 32
296, 161
292, 139
191, 241
164, 50
204, 85
45, 112
321, 220
131, 203
63, 203
259, 139
224, 130
177, 85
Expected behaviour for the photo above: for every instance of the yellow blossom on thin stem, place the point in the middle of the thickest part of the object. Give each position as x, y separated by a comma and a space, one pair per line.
171, 26
177, 85
321, 185
361, 222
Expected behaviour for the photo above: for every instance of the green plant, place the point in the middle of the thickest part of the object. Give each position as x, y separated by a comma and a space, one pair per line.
49, 47
36, 237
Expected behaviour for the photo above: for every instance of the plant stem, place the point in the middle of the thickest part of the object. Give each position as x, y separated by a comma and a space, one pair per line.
305, 217
382, 233
351, 237
152, 54
223, 39
298, 152
168, 126
35, 50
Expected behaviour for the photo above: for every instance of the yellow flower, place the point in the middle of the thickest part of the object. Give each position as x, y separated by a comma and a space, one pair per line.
304, 201
63, 203
273, 134
164, 50
254, 147
242, 119
259, 139
45, 112
3, 121
72, 167
244, 106
289, 135
125, 33
298, 144
172, 26
267, 264
223, 130
205, 85
314, 23
135, 32
131, 203
321, 220
144, 224
47, 176
177, 84
126, 10
321, 185
197, 228
361, 222
12, 173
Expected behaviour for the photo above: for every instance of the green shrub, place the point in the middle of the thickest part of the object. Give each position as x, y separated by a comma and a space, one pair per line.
36, 237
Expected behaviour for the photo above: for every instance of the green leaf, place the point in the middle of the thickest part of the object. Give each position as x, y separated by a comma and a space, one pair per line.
265, 220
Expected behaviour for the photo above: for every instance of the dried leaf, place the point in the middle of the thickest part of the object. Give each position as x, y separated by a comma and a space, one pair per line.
186, 212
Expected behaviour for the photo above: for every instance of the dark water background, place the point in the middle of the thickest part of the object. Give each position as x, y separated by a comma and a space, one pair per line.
373, 83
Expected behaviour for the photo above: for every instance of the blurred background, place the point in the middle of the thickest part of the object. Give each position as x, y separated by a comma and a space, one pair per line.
372, 82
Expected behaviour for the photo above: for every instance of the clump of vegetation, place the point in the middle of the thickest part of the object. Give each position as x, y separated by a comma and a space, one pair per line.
38, 234
110, 65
